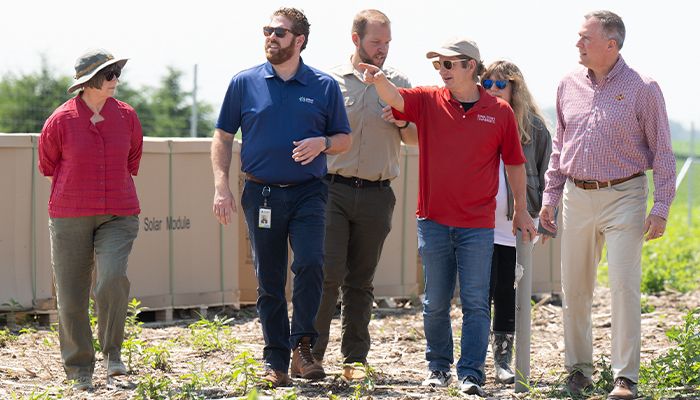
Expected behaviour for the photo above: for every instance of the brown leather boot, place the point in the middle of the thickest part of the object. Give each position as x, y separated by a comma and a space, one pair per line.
624, 389
276, 378
577, 382
303, 363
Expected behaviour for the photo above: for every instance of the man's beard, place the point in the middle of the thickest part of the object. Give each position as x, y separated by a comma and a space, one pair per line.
283, 54
369, 60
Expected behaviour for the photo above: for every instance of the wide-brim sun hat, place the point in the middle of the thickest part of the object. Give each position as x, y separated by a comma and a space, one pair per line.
458, 46
90, 63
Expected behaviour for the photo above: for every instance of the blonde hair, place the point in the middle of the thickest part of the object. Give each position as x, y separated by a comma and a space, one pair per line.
524, 107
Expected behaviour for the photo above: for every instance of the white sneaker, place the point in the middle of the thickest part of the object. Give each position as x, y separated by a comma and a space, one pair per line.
437, 379
470, 386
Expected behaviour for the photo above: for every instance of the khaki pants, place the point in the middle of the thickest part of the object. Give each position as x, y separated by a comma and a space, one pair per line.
77, 245
615, 216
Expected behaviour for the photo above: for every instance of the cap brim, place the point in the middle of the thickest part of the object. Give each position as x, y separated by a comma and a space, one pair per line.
442, 52
80, 81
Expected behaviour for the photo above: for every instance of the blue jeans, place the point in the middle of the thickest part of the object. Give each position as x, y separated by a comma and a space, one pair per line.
448, 254
298, 216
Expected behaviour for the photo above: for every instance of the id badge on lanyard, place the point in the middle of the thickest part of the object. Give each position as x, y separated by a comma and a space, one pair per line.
265, 211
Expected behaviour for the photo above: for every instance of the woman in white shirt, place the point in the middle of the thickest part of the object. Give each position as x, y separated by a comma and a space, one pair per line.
503, 79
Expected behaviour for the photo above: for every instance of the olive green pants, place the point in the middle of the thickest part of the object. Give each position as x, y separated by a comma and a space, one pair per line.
358, 221
77, 246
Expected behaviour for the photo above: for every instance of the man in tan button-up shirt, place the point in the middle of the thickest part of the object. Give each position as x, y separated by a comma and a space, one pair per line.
360, 198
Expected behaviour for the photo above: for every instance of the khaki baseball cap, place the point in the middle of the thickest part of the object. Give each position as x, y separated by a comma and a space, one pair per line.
458, 46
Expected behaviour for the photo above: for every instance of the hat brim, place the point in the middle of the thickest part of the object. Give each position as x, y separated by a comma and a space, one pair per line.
442, 52
77, 83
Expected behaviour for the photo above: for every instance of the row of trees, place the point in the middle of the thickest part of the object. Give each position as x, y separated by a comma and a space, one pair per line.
26, 100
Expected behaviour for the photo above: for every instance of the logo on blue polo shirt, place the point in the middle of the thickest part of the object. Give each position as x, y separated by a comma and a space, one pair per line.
303, 99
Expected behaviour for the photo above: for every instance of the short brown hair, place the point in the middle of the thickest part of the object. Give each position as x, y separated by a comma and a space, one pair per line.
300, 25
359, 24
478, 70
99, 78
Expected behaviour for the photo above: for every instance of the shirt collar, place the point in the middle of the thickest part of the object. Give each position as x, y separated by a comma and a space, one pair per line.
619, 66
79, 105
300, 76
483, 97
617, 69
347, 68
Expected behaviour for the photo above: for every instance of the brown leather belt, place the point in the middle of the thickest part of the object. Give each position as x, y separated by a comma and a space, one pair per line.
589, 185
251, 178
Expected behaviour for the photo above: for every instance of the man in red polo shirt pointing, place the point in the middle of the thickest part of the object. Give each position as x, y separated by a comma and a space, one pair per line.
463, 132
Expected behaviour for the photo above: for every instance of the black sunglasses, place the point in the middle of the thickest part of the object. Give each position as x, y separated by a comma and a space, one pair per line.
488, 83
448, 64
112, 73
280, 32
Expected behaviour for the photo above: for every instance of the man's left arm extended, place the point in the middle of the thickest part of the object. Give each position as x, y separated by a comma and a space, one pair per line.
521, 218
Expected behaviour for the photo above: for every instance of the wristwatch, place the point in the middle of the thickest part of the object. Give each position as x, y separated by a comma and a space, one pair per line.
328, 143
405, 125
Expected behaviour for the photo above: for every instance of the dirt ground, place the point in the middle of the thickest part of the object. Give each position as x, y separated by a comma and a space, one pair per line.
32, 363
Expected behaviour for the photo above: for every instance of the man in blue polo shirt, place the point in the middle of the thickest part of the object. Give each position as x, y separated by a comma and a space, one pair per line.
290, 116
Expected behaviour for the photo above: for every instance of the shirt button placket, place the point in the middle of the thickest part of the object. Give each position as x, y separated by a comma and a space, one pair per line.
103, 171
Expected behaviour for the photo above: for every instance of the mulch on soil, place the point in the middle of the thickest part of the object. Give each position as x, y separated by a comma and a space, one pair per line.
32, 362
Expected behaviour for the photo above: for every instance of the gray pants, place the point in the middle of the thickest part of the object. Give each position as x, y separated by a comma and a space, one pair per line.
358, 221
77, 245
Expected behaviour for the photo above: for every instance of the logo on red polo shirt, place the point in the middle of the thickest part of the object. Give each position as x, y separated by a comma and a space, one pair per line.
486, 118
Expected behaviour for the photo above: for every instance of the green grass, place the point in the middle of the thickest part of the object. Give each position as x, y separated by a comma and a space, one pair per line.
672, 262
680, 366
682, 147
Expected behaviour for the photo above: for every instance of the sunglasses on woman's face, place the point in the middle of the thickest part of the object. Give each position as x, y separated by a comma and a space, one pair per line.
488, 83
448, 64
112, 73
280, 32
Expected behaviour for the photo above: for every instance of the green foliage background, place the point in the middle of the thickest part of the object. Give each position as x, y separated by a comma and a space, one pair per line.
673, 262
27, 100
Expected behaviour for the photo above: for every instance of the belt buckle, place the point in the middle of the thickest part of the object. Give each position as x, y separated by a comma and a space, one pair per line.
357, 182
587, 182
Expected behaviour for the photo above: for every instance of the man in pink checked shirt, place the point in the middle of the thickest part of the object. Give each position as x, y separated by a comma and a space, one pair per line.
611, 127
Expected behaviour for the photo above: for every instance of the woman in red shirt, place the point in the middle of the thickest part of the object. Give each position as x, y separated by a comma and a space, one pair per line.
89, 148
